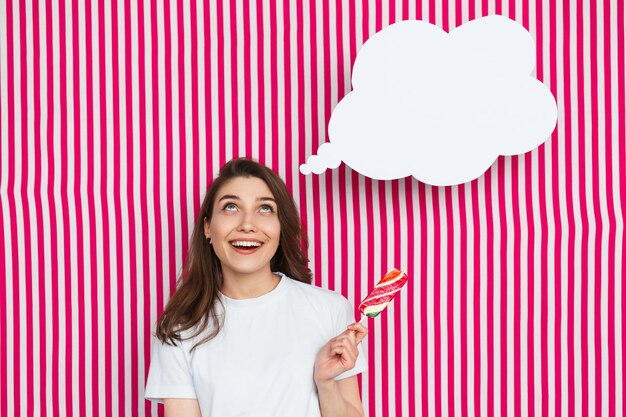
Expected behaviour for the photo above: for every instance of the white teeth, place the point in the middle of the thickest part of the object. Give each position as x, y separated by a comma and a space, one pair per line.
246, 243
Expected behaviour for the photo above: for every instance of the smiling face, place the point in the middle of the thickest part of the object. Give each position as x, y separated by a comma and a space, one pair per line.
244, 227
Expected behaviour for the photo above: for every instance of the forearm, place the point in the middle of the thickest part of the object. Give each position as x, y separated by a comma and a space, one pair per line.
332, 403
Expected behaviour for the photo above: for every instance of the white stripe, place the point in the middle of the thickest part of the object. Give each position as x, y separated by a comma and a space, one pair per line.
187, 219
242, 39
204, 138
443, 297
603, 396
403, 306
590, 208
176, 141
150, 220
378, 360
71, 257
215, 106
430, 304
226, 68
456, 303
122, 225
510, 285
497, 292
165, 238
619, 241
19, 293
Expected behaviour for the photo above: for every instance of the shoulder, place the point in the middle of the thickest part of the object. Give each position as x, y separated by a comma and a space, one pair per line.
317, 298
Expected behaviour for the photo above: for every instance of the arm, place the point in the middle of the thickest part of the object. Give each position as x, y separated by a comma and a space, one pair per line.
181, 407
339, 398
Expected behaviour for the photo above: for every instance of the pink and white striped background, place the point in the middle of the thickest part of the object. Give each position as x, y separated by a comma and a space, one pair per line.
114, 115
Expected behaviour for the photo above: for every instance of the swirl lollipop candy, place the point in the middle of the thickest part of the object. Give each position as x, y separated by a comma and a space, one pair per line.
383, 293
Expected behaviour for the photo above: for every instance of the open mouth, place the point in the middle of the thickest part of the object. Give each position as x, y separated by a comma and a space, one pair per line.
246, 246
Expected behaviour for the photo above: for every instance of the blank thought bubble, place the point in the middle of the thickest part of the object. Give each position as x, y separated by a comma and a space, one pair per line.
439, 106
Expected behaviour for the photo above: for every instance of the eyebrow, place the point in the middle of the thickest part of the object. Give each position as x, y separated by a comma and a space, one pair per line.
234, 197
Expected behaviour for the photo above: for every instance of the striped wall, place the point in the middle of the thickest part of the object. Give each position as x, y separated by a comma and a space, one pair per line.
115, 115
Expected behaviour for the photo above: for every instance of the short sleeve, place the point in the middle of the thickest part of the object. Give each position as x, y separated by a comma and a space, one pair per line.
170, 373
344, 319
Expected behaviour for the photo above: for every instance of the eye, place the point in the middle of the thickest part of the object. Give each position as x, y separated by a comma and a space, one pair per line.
266, 208
229, 207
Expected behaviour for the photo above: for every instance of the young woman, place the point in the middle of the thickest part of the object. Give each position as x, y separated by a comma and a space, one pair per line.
245, 333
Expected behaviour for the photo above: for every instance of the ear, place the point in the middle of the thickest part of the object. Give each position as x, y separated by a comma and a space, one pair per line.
207, 229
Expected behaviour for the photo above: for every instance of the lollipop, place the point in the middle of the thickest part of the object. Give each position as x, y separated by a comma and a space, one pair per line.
383, 293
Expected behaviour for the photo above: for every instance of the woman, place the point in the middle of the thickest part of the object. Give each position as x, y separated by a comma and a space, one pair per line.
245, 333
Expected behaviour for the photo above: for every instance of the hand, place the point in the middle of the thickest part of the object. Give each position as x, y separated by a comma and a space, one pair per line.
339, 354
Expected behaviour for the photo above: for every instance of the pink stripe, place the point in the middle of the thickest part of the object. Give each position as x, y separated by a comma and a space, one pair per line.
517, 316
107, 277
195, 118
582, 174
234, 81
502, 218
51, 207
288, 162
208, 107
80, 255
260, 80
4, 403
69, 337
317, 247
358, 274
621, 109
182, 125
384, 322
143, 189
247, 86
3, 299
371, 238
411, 289
91, 204
543, 262
28, 273
301, 114
397, 312
597, 216
330, 221
530, 274
132, 229
490, 290
169, 148
434, 191
41, 300
158, 232
378, 16
450, 297
17, 363
556, 201
117, 174
421, 192
274, 85
608, 161
463, 293
569, 201
221, 101
476, 300
341, 172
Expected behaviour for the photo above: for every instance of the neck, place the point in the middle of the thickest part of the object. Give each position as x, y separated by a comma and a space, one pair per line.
242, 286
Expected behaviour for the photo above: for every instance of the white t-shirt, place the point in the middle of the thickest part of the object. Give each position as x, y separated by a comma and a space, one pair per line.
261, 363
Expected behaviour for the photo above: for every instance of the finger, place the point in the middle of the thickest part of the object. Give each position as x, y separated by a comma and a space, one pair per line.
349, 343
359, 331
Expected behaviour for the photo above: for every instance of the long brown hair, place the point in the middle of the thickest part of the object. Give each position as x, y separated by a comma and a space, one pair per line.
194, 303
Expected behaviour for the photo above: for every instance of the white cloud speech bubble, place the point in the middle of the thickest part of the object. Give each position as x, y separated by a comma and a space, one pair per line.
439, 106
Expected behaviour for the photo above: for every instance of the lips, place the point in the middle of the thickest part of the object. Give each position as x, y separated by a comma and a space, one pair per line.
246, 246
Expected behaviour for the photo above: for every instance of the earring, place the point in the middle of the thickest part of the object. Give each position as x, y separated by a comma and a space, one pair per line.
209, 239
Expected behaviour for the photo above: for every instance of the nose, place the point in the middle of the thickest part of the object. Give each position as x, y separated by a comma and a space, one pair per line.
247, 223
